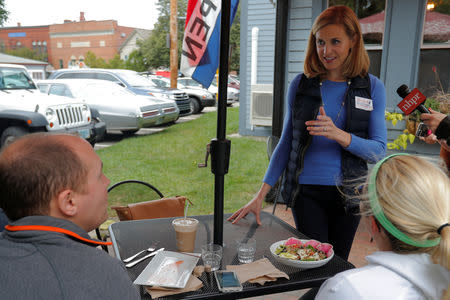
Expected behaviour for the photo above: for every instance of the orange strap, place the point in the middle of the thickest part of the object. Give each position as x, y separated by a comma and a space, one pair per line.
54, 229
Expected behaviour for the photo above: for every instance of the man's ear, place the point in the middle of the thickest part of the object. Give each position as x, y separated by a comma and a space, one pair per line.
66, 203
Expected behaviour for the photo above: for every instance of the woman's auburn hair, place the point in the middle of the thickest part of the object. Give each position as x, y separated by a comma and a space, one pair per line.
357, 62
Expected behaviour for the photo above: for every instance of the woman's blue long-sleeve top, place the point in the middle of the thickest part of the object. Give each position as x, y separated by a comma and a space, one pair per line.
322, 162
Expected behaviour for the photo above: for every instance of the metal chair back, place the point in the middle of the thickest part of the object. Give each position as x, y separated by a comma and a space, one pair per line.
129, 191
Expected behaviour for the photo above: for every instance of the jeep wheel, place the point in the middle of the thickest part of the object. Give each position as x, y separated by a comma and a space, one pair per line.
195, 105
12, 133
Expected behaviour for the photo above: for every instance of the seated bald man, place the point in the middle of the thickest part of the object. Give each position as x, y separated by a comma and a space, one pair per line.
53, 190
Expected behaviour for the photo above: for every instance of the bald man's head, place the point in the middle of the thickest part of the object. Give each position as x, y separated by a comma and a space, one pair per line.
35, 168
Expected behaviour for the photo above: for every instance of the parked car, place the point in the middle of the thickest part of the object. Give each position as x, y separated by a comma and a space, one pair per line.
23, 109
200, 97
120, 108
132, 81
232, 93
233, 81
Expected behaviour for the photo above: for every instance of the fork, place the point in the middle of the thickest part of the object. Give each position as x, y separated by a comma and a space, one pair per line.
140, 252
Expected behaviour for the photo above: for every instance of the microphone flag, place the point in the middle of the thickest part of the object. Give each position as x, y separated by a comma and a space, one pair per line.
411, 101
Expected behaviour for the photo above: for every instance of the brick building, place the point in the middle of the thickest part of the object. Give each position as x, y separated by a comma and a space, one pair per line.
32, 37
67, 44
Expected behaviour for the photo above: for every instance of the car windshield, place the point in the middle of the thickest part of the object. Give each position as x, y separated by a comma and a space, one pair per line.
136, 80
160, 82
94, 89
15, 78
190, 82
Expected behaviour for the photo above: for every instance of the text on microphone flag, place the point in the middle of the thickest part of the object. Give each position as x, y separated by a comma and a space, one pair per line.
411, 101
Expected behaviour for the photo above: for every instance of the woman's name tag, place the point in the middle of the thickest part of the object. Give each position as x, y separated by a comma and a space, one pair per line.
363, 103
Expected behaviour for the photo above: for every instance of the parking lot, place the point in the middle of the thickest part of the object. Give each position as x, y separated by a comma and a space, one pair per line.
116, 136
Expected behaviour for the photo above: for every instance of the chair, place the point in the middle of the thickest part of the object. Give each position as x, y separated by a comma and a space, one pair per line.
129, 191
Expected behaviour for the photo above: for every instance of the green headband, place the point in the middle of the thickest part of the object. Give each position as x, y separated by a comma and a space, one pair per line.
381, 217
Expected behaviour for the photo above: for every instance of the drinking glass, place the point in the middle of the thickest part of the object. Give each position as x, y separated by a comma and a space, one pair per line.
246, 249
212, 255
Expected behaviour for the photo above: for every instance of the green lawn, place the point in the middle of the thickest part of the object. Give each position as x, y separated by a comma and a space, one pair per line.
168, 160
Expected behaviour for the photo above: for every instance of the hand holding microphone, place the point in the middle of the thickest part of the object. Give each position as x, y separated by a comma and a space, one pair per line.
432, 119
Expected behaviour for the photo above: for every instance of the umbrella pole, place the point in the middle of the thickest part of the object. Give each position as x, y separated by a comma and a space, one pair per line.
220, 147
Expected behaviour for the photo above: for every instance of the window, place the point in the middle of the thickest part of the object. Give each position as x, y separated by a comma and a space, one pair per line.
434, 67
60, 90
104, 76
80, 75
43, 87
61, 64
37, 75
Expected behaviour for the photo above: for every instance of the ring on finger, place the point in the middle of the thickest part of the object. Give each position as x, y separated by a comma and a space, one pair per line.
325, 129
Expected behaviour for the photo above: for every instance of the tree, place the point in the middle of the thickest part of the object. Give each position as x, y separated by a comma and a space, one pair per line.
3, 13
92, 61
116, 63
442, 6
27, 53
235, 42
155, 49
136, 61
362, 8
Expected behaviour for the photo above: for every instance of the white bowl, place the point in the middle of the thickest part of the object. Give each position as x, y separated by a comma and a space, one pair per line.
299, 263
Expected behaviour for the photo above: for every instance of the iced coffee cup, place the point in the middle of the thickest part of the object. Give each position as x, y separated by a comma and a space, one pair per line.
185, 230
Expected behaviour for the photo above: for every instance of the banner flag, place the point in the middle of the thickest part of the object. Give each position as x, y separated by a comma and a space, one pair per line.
200, 51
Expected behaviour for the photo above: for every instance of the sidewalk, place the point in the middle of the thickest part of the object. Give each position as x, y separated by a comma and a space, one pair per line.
360, 249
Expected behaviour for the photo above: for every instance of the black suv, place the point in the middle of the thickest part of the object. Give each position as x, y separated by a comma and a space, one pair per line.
132, 81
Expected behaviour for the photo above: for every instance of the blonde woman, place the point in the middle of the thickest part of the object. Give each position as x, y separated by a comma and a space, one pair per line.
407, 209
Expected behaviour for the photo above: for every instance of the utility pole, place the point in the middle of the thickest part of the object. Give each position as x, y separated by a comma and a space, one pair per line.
173, 44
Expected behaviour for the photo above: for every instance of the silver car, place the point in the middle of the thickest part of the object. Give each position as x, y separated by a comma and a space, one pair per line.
119, 108
200, 97
232, 93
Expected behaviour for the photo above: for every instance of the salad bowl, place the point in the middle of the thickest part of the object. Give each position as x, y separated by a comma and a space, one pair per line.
301, 263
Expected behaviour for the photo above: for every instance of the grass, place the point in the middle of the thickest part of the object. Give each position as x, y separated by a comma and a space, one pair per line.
168, 160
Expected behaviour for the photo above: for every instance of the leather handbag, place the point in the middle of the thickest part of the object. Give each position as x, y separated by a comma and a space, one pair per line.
161, 208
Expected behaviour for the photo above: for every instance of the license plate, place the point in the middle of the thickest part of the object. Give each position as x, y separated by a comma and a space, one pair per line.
84, 133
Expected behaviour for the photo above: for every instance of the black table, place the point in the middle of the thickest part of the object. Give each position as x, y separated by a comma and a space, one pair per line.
129, 237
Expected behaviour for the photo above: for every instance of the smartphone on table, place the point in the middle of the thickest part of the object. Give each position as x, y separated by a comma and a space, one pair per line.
227, 281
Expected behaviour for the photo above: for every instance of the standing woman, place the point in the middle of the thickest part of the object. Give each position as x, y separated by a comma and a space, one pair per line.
334, 125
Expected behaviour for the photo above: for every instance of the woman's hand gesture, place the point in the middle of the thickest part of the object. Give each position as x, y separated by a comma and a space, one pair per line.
324, 126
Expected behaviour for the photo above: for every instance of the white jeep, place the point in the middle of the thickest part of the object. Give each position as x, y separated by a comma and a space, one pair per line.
24, 109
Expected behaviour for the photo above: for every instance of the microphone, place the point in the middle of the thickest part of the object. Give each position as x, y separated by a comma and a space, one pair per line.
411, 100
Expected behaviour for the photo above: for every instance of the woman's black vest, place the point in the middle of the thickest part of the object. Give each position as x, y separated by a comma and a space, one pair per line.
306, 107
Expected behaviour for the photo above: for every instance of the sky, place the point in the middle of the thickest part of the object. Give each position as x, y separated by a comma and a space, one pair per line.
131, 13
